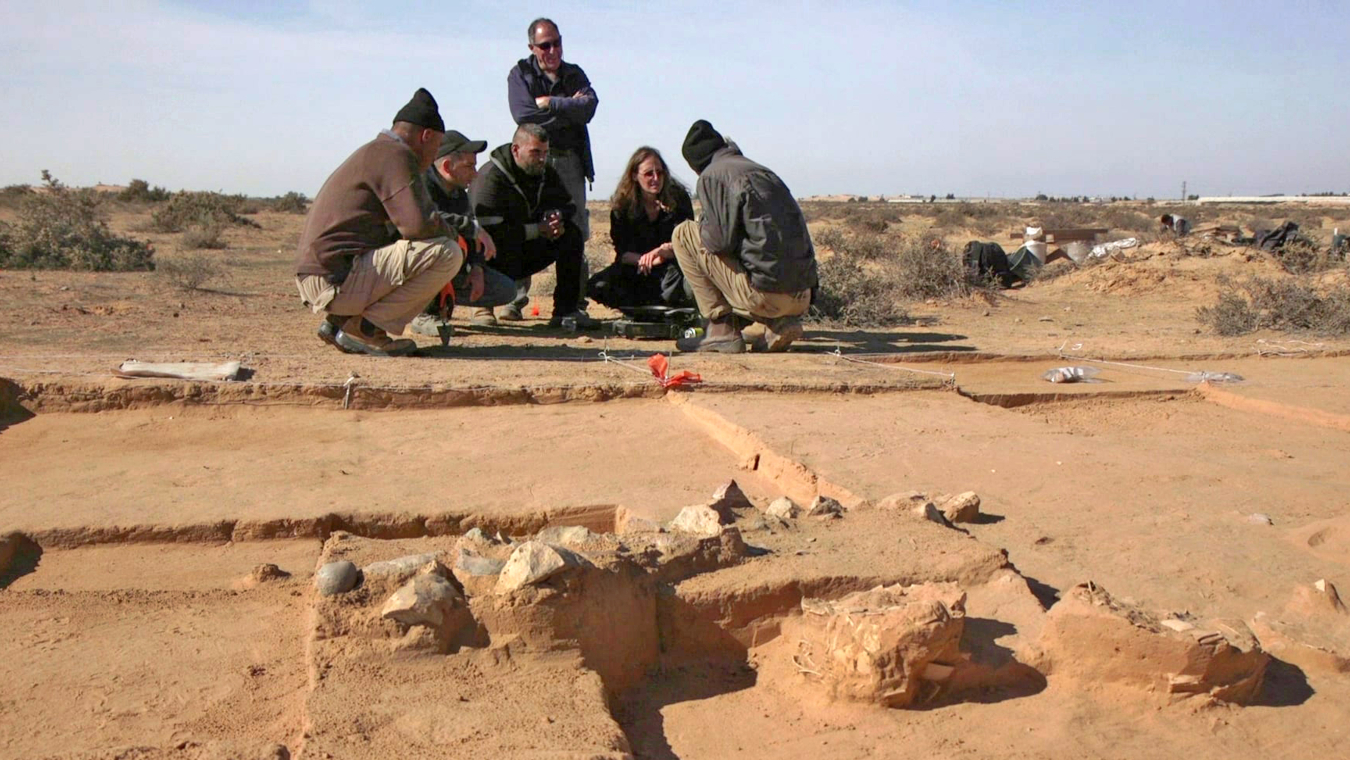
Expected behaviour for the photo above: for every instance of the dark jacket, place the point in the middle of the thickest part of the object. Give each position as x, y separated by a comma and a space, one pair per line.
566, 117
750, 215
637, 234
506, 199
453, 204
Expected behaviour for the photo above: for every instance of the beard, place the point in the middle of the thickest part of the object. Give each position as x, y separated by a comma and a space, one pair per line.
534, 170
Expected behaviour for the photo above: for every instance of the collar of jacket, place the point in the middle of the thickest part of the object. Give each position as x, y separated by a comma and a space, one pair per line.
508, 169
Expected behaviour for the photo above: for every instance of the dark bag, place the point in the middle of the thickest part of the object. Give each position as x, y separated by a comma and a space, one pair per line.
988, 261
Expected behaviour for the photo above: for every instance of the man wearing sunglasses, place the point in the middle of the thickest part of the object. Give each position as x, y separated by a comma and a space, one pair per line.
544, 89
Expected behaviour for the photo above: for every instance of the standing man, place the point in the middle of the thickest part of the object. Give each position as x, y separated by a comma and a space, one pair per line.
750, 256
545, 90
520, 199
477, 284
374, 249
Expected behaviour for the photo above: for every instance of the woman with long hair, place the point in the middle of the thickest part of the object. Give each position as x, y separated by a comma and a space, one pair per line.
644, 210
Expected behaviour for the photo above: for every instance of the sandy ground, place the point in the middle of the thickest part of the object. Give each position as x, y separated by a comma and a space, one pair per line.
137, 632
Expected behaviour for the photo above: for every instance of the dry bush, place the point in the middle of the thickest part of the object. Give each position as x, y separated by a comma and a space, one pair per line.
12, 196
869, 277
1287, 305
290, 203
190, 271
68, 229
200, 236
830, 237
1303, 256
185, 209
140, 191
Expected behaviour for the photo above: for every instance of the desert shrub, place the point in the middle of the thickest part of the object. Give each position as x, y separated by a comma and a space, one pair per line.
190, 271
1301, 256
199, 236
185, 209
290, 203
140, 191
1262, 303
830, 237
63, 228
13, 195
858, 295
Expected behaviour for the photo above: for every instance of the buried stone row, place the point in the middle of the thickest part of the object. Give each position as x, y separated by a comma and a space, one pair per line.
896, 644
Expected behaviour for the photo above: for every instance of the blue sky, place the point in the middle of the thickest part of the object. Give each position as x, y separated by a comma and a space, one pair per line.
973, 98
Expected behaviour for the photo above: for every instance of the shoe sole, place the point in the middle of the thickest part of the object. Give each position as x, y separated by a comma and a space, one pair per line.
353, 346
736, 346
778, 342
328, 335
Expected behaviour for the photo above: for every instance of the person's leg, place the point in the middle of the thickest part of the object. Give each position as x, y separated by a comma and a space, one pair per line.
498, 290
390, 285
721, 334
573, 174
567, 253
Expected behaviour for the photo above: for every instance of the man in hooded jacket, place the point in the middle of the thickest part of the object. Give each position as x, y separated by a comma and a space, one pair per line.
749, 258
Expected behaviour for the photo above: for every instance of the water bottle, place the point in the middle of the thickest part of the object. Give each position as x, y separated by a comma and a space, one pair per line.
693, 332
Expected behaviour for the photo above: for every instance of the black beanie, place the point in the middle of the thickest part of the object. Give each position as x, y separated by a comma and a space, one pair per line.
700, 145
422, 111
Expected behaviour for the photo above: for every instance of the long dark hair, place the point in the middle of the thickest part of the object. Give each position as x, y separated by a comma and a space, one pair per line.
628, 196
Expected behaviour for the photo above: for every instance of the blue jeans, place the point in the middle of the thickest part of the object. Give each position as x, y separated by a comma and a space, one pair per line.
498, 290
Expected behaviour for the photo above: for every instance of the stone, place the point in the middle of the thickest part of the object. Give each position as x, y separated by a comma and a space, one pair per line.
962, 507
565, 535
1315, 599
699, 520
267, 572
783, 508
625, 521
824, 506
673, 557
336, 578
727, 499
427, 599
929, 511
477, 575
399, 569
1313, 632
1092, 637
1257, 518
902, 500
881, 646
533, 562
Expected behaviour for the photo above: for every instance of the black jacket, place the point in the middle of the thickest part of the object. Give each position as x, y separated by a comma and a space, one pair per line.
751, 216
566, 117
453, 205
506, 199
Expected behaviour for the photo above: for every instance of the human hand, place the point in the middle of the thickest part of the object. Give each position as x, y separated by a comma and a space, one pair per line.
542, 101
476, 284
650, 260
631, 258
552, 226
489, 246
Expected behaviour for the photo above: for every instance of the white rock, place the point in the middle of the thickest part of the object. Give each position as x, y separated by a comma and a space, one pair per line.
783, 508
727, 498
1257, 518
566, 535
700, 520
625, 521
428, 599
929, 511
824, 506
962, 507
399, 569
531, 563
336, 578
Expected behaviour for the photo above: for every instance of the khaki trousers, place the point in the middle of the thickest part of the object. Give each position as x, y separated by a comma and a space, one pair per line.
722, 287
388, 286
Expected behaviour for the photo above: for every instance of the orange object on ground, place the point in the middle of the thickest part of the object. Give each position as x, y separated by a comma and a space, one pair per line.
660, 366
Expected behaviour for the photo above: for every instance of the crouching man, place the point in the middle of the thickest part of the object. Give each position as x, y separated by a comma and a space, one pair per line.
750, 256
374, 249
522, 203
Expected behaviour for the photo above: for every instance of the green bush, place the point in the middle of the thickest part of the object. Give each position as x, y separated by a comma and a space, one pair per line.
290, 203
185, 209
190, 271
200, 236
61, 228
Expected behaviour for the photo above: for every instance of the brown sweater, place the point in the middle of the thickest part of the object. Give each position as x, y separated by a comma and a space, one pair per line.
376, 197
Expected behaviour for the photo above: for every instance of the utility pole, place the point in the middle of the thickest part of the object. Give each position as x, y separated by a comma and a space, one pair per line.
1183, 191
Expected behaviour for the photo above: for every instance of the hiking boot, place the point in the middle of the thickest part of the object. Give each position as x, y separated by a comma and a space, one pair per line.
580, 320
721, 338
359, 335
511, 313
328, 331
482, 317
779, 334
430, 325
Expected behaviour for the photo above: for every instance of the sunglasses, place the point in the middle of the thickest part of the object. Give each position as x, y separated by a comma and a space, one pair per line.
548, 45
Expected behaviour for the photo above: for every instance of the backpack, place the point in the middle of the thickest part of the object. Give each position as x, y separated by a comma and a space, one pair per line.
988, 261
